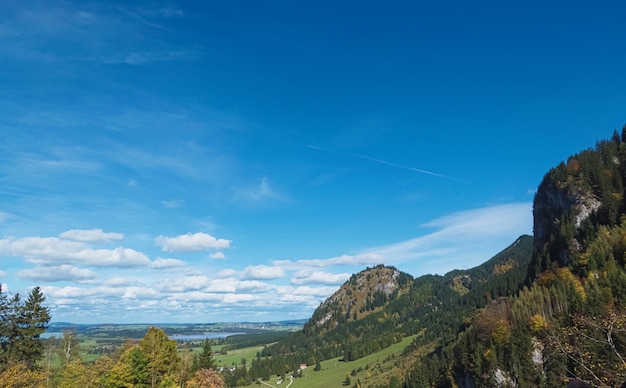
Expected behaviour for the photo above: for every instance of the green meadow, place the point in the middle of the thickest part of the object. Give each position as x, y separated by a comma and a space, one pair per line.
373, 370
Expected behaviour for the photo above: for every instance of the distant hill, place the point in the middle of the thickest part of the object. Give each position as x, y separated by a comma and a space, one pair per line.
138, 330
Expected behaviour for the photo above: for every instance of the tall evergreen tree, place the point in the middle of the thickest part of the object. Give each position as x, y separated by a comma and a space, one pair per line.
205, 359
140, 368
12, 346
35, 319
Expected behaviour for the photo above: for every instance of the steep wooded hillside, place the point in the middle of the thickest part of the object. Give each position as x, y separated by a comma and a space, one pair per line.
569, 321
575, 199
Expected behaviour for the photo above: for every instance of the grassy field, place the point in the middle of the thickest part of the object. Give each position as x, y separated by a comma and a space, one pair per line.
234, 356
373, 370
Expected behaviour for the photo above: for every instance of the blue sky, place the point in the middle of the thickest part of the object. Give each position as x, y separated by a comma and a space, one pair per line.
229, 161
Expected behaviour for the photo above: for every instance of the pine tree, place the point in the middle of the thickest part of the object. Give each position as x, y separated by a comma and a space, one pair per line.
35, 318
205, 359
12, 345
140, 368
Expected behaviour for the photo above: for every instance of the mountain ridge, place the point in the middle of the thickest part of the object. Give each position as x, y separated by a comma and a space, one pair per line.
408, 308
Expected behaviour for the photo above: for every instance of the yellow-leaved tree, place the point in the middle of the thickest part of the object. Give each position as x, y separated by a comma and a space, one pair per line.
19, 375
162, 356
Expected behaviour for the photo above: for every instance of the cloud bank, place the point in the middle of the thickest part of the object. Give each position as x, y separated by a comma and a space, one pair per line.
85, 282
191, 243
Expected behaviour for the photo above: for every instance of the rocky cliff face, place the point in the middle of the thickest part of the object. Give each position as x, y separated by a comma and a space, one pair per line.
555, 200
560, 204
576, 197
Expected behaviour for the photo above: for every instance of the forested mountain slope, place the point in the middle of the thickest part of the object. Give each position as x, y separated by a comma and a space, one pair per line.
569, 320
379, 306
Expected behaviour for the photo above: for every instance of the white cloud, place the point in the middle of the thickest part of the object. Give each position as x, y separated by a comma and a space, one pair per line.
222, 285
191, 243
220, 300
170, 10
118, 257
117, 281
57, 274
174, 203
263, 272
454, 241
258, 193
68, 164
2, 274
55, 251
188, 283
286, 299
226, 273
461, 240
139, 293
361, 259
161, 263
217, 255
193, 296
205, 285
91, 235
217, 297
239, 298
80, 294
493, 220
83, 18
254, 286
39, 246
318, 292
233, 285
317, 277
136, 58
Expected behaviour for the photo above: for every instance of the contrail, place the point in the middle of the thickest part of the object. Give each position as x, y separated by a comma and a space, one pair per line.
380, 161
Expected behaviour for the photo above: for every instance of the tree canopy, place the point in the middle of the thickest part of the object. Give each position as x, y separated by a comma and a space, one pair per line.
21, 326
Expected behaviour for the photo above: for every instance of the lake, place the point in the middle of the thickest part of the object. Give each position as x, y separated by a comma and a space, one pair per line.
196, 337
